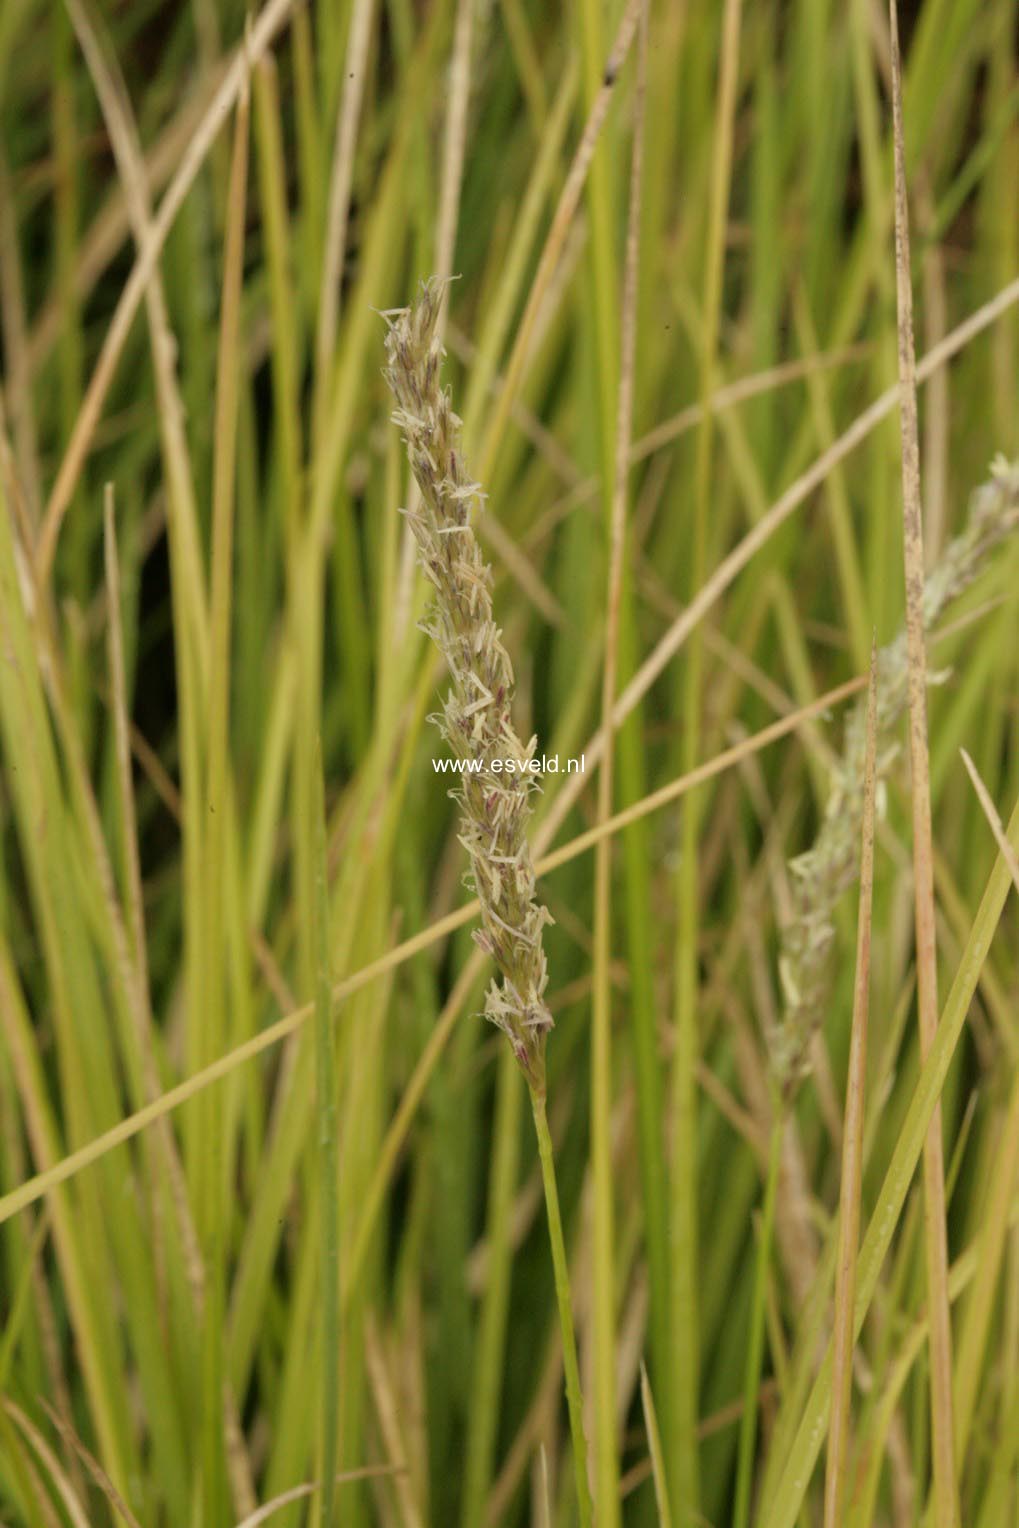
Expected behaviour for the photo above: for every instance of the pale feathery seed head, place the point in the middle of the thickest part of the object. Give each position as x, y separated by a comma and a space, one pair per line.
475, 717
825, 871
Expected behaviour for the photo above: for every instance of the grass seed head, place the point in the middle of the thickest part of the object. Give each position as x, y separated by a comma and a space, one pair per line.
475, 719
828, 868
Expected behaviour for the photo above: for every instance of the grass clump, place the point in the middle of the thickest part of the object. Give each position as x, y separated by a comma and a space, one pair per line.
275, 1207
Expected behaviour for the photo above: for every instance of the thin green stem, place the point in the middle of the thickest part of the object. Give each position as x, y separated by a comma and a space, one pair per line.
328, 1164
755, 1346
491, 1340
565, 1303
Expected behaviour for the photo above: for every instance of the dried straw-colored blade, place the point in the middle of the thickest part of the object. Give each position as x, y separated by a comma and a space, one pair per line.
936, 1239
124, 140
91, 1463
298, 1493
655, 1450
852, 1149
40, 1463
256, 41
994, 821
545, 1499
390, 1425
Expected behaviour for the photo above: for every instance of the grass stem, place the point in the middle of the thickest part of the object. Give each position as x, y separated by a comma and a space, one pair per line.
564, 1301
946, 1506
755, 1345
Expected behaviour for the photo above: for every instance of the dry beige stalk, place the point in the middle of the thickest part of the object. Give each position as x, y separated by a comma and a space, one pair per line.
497, 782
946, 1491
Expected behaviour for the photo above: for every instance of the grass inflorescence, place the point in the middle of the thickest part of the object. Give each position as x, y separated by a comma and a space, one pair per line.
475, 719
822, 873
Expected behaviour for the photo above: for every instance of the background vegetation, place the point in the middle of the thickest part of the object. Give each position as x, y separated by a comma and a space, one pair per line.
199, 212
